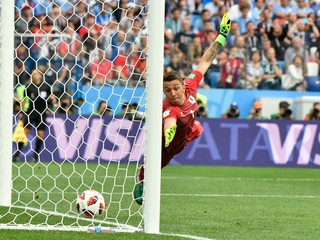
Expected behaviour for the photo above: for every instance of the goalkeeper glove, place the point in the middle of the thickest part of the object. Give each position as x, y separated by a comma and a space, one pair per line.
225, 26
169, 134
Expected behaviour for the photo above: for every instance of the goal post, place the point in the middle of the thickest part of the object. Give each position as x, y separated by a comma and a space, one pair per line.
6, 93
154, 117
85, 60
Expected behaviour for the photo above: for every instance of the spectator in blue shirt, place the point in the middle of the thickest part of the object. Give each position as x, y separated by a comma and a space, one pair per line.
282, 11
257, 11
244, 19
302, 10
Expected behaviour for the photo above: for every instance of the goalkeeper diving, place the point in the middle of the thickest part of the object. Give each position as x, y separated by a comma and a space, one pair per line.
180, 106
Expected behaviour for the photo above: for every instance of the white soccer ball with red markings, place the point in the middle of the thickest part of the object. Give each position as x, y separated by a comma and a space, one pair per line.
90, 203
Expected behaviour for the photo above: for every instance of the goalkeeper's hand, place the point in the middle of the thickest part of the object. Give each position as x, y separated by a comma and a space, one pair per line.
225, 25
169, 134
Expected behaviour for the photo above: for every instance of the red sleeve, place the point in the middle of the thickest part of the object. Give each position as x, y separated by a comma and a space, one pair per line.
83, 31
170, 112
194, 79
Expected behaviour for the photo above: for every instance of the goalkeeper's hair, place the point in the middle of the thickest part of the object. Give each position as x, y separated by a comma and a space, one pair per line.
172, 75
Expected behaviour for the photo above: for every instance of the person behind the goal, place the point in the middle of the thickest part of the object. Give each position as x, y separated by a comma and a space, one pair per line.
180, 107
39, 94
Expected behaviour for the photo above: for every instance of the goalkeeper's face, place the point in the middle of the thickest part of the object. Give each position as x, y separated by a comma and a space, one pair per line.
174, 91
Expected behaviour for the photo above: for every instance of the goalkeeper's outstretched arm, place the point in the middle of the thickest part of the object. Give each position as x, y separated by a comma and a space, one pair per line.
211, 52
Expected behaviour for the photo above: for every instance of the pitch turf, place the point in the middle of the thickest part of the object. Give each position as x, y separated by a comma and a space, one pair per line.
212, 202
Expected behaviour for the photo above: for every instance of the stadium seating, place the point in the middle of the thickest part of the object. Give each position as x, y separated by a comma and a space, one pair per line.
313, 69
313, 83
214, 78
282, 65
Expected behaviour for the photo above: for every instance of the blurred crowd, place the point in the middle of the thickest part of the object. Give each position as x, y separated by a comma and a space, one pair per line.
272, 44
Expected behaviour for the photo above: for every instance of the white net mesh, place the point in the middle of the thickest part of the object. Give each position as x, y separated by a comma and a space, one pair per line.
79, 85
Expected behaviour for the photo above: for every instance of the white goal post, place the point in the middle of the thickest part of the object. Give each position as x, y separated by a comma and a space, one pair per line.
6, 93
41, 194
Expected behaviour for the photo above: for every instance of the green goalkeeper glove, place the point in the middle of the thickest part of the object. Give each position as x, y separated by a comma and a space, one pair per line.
169, 134
225, 26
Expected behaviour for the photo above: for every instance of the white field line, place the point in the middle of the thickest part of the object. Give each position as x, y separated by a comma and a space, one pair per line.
127, 228
198, 178
244, 178
201, 195
185, 236
240, 195
51, 213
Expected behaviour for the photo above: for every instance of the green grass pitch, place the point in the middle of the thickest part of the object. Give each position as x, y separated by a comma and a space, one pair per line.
223, 203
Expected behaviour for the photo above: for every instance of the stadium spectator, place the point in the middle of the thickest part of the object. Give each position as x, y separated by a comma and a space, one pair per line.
25, 20
120, 8
272, 72
302, 10
294, 50
103, 109
174, 63
257, 11
119, 44
314, 113
103, 13
256, 111
195, 49
266, 44
234, 33
254, 72
185, 11
265, 24
232, 112
282, 10
201, 109
101, 70
183, 38
295, 75
195, 7
213, 7
174, 23
198, 25
243, 52
229, 70
128, 18
205, 34
292, 18
39, 94
167, 53
65, 106
278, 38
138, 59
235, 11
285, 113
299, 29
59, 21
252, 38
244, 17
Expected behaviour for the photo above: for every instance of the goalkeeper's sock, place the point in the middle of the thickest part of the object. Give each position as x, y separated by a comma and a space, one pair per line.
138, 193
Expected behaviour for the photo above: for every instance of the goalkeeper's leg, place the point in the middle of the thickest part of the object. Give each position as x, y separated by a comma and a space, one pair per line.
138, 188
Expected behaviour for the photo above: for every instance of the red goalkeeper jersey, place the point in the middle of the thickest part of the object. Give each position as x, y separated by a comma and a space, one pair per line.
187, 128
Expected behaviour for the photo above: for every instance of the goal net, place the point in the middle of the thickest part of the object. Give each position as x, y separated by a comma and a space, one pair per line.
79, 112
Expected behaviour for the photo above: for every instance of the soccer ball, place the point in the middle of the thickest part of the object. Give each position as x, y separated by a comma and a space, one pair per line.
90, 203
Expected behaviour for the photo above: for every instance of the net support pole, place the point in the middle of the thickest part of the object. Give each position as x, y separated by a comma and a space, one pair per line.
6, 98
155, 60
